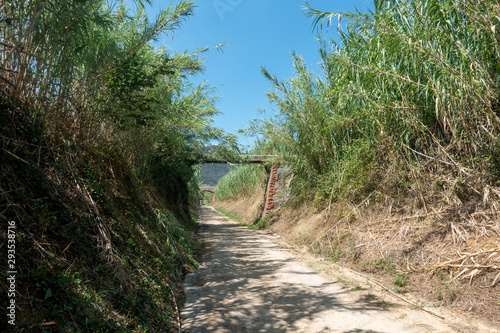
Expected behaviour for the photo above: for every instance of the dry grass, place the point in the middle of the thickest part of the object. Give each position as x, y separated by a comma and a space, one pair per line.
451, 254
467, 265
247, 208
448, 246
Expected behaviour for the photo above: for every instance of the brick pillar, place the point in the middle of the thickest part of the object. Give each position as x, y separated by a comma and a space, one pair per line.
271, 189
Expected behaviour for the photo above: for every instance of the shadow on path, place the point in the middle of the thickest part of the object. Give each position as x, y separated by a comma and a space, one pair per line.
248, 284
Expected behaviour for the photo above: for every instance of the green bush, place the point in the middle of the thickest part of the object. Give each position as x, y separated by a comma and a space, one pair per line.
411, 83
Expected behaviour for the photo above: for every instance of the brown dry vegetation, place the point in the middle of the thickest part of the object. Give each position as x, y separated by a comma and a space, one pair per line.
433, 255
394, 149
247, 208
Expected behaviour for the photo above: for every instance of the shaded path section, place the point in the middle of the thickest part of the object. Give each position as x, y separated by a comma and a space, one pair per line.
246, 283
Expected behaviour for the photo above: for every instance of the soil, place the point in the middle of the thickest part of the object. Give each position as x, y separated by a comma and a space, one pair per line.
247, 282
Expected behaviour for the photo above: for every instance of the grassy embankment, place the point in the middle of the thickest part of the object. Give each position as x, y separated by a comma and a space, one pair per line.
97, 249
240, 193
101, 134
394, 149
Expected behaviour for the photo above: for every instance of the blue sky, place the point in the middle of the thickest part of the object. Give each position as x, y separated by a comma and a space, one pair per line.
257, 33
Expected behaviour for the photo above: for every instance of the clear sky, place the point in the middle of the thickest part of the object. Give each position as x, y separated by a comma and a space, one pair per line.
257, 33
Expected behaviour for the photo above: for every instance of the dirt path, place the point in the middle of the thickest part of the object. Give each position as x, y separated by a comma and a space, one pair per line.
247, 283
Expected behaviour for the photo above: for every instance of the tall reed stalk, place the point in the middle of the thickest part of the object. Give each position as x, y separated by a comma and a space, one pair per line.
240, 181
412, 82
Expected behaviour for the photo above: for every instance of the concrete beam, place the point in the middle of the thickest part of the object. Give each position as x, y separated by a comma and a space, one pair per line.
258, 159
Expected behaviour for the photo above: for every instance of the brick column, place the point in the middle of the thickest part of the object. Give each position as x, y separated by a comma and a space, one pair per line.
271, 189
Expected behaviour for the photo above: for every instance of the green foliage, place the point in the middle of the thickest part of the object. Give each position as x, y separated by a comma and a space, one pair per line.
92, 74
206, 197
386, 264
446, 291
241, 180
345, 283
115, 263
413, 82
402, 280
262, 223
336, 253
103, 169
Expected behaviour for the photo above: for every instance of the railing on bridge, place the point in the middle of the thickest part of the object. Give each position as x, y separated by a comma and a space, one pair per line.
240, 159
207, 188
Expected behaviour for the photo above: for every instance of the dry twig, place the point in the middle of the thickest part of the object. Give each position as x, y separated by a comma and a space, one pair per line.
469, 265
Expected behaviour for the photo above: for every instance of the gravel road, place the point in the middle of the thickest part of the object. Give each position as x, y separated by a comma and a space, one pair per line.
247, 283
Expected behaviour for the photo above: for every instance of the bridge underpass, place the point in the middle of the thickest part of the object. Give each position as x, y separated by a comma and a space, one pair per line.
271, 167
208, 188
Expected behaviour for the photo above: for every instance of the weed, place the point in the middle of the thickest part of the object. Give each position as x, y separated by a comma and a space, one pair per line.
373, 108
370, 297
345, 283
261, 224
105, 198
316, 249
446, 291
386, 264
355, 253
336, 253
402, 280
366, 266
240, 181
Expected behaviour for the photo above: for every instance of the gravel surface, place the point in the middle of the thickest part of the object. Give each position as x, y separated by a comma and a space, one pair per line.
248, 283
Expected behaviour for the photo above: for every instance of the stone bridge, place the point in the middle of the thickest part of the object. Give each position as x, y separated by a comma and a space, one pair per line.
211, 189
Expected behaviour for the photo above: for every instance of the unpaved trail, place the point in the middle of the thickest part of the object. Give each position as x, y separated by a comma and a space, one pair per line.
247, 283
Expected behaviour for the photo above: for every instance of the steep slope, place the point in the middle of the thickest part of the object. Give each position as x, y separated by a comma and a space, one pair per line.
446, 257
95, 248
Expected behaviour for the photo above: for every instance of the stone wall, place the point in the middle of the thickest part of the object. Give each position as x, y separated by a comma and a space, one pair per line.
277, 188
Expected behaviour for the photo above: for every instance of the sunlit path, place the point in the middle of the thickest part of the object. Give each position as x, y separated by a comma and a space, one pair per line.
246, 283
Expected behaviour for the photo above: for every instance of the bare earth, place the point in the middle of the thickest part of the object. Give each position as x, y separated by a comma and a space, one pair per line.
247, 283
